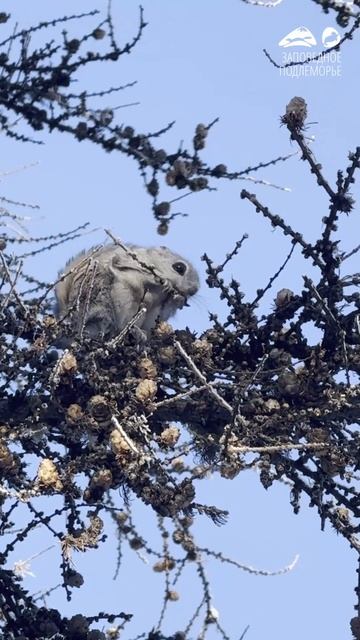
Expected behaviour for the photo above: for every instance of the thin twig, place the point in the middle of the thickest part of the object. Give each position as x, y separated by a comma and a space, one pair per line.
220, 400
123, 433
279, 447
12, 284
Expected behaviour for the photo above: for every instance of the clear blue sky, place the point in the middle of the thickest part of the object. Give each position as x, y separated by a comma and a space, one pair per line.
196, 61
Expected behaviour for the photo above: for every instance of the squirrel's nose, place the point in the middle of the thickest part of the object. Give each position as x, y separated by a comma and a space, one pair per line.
193, 290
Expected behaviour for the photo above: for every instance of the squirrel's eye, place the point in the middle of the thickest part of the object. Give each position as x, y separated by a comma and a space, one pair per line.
179, 267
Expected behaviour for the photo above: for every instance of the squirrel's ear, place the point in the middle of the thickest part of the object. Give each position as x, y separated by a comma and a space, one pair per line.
124, 263
116, 262
119, 262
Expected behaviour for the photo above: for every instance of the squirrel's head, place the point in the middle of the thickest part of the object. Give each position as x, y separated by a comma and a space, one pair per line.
181, 278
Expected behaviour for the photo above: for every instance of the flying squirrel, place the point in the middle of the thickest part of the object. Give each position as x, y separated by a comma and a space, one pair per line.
104, 288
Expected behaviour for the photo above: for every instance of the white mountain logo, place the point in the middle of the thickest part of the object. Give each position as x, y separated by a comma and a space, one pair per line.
299, 37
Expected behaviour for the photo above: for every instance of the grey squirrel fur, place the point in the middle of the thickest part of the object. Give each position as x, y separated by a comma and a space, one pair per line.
106, 287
